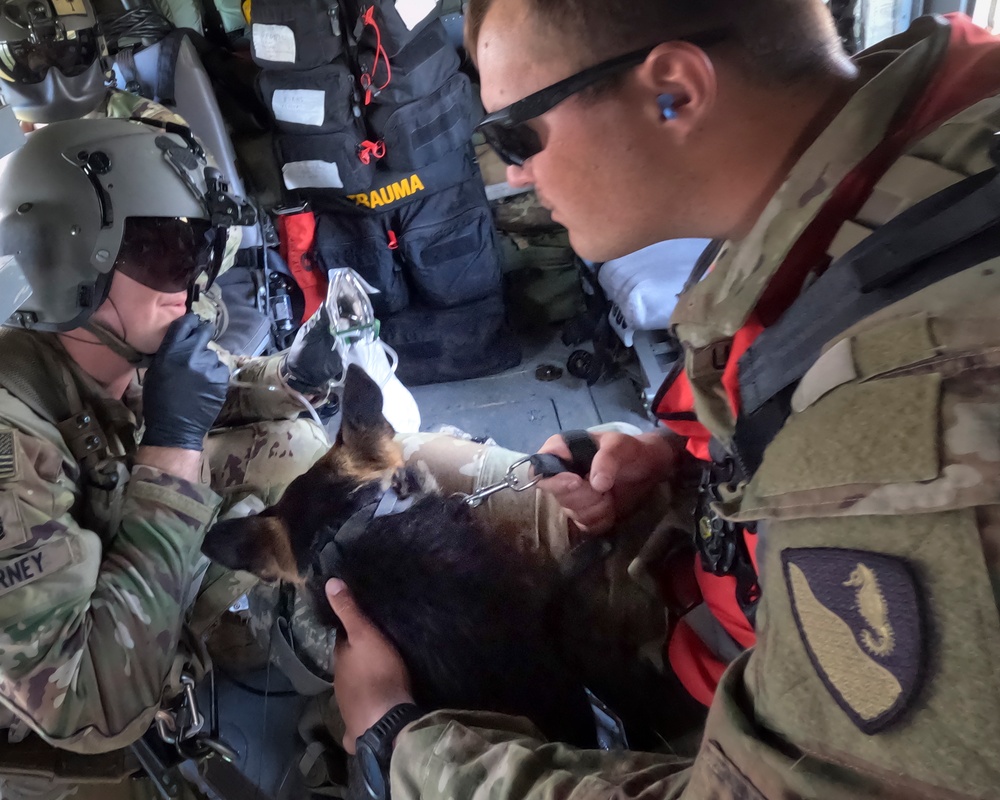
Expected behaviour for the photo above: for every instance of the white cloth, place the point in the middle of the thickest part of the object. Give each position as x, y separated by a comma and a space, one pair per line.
398, 405
644, 285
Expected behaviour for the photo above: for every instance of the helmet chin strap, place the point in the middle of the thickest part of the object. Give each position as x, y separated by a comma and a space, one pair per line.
117, 345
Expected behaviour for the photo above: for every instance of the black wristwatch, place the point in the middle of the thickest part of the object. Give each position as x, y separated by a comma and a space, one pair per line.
374, 748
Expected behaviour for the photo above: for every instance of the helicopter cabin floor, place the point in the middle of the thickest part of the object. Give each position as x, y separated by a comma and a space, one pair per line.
524, 406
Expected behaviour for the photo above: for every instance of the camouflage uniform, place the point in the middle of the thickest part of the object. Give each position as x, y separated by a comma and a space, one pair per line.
878, 634
95, 583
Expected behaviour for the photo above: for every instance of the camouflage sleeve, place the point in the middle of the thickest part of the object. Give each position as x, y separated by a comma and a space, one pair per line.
878, 636
89, 628
477, 756
125, 105
259, 393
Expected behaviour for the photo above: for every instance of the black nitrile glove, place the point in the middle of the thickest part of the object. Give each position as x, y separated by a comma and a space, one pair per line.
184, 388
313, 360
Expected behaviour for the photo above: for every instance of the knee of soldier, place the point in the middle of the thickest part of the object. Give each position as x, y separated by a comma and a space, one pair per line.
455, 463
263, 458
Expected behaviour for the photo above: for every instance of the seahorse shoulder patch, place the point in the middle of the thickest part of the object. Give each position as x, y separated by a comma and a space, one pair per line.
859, 617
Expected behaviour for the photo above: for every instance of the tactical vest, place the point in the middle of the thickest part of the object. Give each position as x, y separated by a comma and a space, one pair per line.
742, 364
98, 435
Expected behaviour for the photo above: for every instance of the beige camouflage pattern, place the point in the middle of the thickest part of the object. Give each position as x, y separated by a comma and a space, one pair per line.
313, 641
935, 505
892, 451
535, 520
946, 474
258, 391
125, 105
87, 645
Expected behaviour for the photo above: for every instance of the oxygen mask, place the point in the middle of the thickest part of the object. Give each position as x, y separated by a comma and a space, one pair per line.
349, 310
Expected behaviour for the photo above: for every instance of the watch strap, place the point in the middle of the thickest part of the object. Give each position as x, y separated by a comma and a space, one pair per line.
381, 735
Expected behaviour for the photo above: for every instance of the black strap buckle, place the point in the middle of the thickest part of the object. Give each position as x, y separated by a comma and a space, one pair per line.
84, 436
721, 544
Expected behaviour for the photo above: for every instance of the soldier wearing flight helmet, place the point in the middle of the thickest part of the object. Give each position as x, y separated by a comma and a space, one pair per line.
114, 410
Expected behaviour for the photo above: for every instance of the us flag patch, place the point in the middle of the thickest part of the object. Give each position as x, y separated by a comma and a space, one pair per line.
8, 456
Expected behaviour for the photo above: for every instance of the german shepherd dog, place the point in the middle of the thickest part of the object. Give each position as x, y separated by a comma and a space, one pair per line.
481, 623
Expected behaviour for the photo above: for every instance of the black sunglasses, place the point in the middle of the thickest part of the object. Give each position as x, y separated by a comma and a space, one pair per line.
507, 131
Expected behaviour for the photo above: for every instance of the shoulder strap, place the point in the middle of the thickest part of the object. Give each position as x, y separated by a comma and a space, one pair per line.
303, 678
701, 266
28, 372
166, 66
949, 232
125, 59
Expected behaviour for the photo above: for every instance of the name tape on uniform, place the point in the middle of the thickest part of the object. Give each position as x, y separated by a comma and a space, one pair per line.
30, 567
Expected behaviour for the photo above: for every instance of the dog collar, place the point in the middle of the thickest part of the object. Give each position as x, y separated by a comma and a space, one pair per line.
388, 504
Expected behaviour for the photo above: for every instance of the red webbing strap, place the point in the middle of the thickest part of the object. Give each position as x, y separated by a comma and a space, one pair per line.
367, 79
368, 150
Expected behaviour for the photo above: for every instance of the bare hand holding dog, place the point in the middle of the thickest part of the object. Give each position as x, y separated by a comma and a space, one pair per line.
369, 675
624, 471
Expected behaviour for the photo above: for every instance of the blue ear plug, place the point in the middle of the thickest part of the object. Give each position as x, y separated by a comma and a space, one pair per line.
666, 102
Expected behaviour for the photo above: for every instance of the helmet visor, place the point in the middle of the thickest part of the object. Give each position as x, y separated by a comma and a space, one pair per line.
25, 62
167, 254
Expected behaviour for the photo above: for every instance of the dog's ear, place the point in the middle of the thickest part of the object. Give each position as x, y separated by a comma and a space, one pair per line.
364, 432
260, 545
362, 402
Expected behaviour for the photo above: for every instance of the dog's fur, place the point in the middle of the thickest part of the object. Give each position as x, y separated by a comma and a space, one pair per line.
480, 623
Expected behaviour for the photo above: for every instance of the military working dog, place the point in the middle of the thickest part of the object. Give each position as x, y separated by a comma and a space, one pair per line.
481, 622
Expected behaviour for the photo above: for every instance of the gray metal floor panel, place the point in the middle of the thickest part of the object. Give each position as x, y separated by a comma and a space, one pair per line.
520, 411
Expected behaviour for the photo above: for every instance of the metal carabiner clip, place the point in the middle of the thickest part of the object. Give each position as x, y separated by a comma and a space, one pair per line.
480, 496
166, 726
196, 721
514, 482
509, 481
184, 723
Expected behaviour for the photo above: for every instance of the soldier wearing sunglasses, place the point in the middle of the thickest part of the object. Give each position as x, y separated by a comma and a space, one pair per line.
835, 384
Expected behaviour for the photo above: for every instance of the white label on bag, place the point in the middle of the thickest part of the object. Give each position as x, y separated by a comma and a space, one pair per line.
274, 43
312, 175
413, 12
69, 8
302, 106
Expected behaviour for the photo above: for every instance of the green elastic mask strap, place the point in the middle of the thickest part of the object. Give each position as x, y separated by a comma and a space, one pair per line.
117, 345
